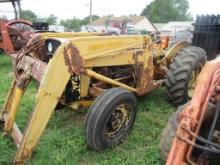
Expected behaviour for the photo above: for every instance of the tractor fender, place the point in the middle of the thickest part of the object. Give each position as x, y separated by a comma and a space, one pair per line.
171, 53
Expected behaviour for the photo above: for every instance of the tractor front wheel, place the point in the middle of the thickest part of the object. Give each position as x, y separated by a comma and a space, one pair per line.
182, 74
110, 118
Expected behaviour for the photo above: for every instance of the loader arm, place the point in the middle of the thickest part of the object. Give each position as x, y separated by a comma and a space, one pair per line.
51, 89
191, 118
47, 93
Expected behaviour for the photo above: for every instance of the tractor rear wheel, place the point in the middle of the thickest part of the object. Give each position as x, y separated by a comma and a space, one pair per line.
110, 118
169, 133
182, 74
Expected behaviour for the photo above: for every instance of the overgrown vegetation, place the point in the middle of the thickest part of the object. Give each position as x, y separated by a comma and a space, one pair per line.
63, 142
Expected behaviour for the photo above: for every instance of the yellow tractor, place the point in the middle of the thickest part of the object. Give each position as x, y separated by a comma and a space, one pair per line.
104, 73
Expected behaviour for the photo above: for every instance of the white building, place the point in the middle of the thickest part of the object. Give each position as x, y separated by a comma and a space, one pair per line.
141, 23
56, 28
171, 28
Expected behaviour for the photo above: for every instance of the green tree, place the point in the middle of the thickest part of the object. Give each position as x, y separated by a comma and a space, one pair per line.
75, 23
51, 20
86, 20
163, 11
28, 15
72, 24
31, 16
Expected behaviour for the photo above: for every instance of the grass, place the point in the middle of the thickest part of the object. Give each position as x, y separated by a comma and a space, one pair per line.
63, 142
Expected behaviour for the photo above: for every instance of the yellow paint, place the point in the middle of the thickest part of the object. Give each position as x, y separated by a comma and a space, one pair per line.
96, 46
95, 51
13, 109
108, 80
171, 53
9, 98
52, 86
81, 103
122, 58
66, 35
84, 85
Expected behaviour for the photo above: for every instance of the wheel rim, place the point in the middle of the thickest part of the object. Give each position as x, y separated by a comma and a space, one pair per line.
118, 121
192, 81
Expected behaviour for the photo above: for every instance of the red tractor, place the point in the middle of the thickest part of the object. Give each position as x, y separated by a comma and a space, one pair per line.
119, 26
14, 34
192, 134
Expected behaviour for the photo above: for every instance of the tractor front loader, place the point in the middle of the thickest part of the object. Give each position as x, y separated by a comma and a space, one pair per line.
106, 72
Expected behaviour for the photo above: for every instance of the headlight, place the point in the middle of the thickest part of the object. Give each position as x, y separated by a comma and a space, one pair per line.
50, 47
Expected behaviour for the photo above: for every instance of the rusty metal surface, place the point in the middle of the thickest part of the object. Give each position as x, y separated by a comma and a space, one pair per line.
136, 54
193, 115
15, 133
36, 38
125, 61
51, 89
100, 77
18, 92
6, 41
145, 76
37, 67
172, 52
95, 91
14, 37
73, 59
8, 101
